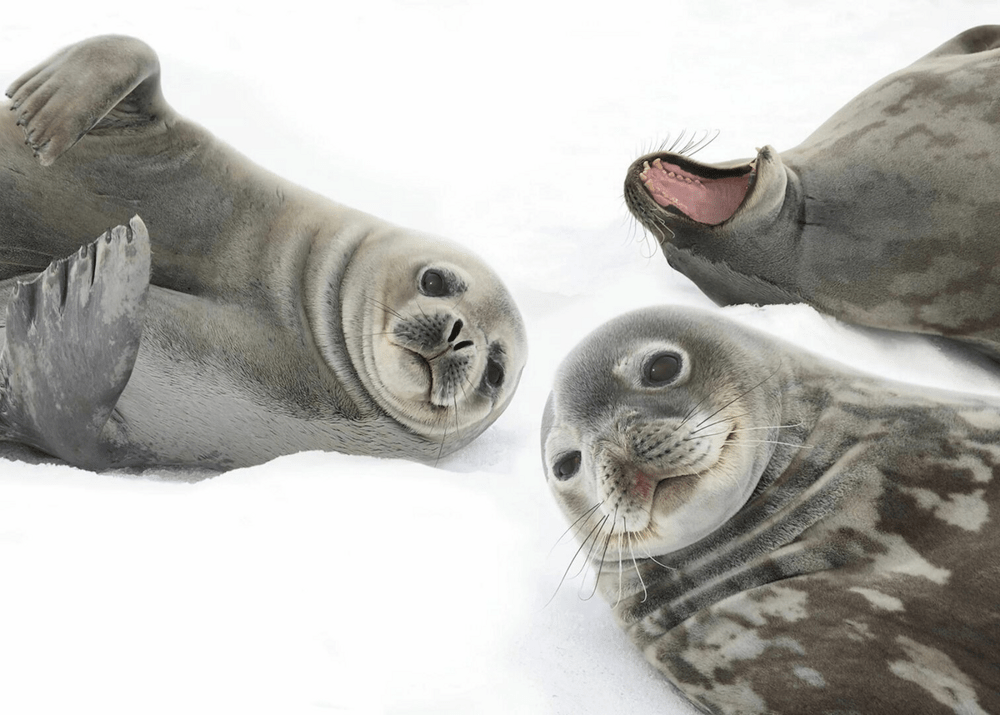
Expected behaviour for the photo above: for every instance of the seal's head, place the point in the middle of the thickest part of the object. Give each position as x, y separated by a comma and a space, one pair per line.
670, 193
653, 432
433, 335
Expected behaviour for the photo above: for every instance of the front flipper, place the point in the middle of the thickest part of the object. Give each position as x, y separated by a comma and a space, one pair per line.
108, 81
72, 336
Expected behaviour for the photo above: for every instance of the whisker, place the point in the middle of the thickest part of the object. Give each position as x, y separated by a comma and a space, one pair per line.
386, 308
586, 516
659, 563
691, 142
590, 552
635, 565
718, 422
743, 429
600, 564
573, 560
678, 140
619, 599
740, 396
663, 144
703, 142
770, 441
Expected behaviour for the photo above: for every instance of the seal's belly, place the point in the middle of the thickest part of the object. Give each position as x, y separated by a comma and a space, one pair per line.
206, 392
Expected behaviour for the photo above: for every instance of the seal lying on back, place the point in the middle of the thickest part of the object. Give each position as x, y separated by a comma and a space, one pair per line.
886, 216
276, 321
777, 533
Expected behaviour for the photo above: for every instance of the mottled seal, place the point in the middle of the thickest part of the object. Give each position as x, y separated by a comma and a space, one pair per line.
777, 533
885, 216
276, 321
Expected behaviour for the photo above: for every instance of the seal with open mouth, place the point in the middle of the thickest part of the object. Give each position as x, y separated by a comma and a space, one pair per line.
241, 317
886, 216
778, 533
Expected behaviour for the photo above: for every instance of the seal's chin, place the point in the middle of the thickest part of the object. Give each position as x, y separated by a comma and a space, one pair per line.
700, 192
430, 393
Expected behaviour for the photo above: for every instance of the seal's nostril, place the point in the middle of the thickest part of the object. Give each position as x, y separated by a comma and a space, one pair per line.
463, 344
456, 329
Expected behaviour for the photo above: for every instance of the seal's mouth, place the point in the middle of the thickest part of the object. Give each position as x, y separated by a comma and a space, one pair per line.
700, 192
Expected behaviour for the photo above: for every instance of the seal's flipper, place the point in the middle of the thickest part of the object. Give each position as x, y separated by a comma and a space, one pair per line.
104, 81
72, 336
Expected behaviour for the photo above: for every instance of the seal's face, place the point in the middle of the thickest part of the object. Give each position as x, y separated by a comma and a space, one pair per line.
434, 336
651, 436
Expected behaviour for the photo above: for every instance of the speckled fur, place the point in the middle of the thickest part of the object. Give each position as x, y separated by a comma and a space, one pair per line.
861, 576
886, 216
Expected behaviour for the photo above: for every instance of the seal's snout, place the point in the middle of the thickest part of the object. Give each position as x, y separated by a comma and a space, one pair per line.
625, 490
430, 335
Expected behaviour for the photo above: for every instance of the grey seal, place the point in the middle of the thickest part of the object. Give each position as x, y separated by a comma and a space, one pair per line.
778, 533
230, 316
886, 216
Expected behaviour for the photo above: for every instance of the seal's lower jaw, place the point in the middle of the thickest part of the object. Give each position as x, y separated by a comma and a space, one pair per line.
697, 195
434, 394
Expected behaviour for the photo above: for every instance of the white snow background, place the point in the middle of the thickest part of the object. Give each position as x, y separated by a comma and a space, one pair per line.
324, 582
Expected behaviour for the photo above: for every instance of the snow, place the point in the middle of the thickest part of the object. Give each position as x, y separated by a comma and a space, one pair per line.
325, 582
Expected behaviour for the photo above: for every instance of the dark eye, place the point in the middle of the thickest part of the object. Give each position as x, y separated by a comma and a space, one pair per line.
567, 466
663, 368
494, 373
432, 283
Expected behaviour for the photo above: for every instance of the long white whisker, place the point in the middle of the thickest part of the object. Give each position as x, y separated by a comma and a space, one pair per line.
618, 600
586, 517
600, 564
743, 394
658, 563
770, 441
573, 560
635, 565
386, 308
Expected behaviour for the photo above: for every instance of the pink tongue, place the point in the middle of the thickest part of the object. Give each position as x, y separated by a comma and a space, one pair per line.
710, 201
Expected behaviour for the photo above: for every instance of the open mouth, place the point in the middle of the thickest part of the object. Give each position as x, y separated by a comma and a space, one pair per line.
710, 196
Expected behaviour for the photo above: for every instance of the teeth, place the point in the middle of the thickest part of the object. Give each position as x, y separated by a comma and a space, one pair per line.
645, 165
657, 163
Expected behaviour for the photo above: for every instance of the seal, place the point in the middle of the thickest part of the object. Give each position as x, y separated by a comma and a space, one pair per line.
776, 532
885, 216
241, 317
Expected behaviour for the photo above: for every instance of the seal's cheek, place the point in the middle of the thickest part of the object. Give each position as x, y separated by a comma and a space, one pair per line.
403, 373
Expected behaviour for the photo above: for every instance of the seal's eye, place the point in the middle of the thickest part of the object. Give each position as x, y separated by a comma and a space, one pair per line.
567, 466
432, 283
494, 373
663, 368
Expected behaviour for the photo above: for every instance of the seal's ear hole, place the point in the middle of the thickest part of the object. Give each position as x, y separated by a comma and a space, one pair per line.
567, 466
662, 369
432, 283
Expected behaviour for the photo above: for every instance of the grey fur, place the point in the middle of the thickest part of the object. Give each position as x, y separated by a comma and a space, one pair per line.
885, 216
269, 306
856, 569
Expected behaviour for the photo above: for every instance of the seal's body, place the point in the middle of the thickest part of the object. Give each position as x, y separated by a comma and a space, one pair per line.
276, 320
779, 534
886, 216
